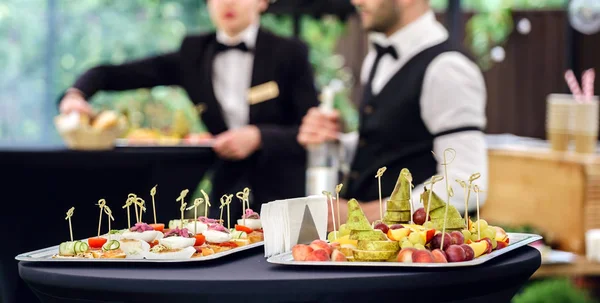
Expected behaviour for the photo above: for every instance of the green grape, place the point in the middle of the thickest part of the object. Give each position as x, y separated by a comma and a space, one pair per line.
331, 236
414, 238
419, 246
492, 231
474, 237
344, 231
481, 224
428, 225
406, 244
488, 234
466, 234
494, 243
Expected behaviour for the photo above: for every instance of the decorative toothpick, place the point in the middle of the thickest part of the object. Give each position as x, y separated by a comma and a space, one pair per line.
465, 186
152, 193
477, 191
69, 215
244, 196
181, 199
139, 202
449, 190
338, 189
472, 178
222, 206
101, 204
228, 201
108, 213
378, 176
130, 199
182, 208
434, 179
206, 202
197, 202
328, 195
133, 197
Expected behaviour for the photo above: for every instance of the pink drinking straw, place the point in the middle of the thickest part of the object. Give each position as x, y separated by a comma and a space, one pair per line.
573, 85
587, 83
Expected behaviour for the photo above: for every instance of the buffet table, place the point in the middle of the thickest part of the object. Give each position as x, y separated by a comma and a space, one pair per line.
248, 277
43, 182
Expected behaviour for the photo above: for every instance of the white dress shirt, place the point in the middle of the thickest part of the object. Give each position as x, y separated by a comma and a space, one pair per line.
453, 95
232, 76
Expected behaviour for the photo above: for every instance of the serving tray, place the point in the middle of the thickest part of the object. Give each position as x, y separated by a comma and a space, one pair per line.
126, 143
45, 255
516, 240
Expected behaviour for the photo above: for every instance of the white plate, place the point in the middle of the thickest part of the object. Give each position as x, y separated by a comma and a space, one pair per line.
516, 240
45, 255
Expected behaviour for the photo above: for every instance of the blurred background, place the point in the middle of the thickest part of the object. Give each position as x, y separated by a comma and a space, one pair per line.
523, 47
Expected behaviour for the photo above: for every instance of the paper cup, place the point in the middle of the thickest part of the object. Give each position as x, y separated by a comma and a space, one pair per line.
586, 143
559, 139
592, 244
558, 112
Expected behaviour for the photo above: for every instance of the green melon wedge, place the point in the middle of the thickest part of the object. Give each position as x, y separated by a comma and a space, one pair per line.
373, 256
378, 245
356, 218
368, 235
451, 223
396, 216
436, 203
398, 205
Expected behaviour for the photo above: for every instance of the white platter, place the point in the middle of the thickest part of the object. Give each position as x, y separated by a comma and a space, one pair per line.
516, 240
45, 255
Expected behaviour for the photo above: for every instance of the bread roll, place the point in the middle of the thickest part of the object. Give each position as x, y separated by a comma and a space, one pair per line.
105, 120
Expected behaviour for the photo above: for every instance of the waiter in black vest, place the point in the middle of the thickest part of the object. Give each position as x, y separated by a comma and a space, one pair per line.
421, 95
254, 87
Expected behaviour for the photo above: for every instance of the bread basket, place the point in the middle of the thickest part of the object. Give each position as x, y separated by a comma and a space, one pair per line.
79, 135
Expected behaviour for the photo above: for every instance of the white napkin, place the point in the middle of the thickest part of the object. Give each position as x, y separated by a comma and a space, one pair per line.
282, 222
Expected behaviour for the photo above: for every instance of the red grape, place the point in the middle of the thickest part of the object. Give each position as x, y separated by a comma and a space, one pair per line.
419, 216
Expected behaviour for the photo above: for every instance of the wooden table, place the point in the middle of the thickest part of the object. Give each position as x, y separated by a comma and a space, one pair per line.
558, 193
581, 267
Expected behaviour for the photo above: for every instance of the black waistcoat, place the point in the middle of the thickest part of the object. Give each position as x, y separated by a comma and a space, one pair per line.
392, 132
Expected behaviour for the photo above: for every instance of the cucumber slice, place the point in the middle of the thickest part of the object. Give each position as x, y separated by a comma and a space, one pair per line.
84, 247
70, 248
76, 247
111, 245
62, 249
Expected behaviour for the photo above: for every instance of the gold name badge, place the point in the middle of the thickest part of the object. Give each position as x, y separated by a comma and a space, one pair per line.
263, 92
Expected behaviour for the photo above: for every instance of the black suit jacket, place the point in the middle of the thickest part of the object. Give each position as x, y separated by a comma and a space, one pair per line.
278, 169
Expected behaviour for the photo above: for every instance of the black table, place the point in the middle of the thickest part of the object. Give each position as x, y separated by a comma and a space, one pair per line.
247, 277
40, 183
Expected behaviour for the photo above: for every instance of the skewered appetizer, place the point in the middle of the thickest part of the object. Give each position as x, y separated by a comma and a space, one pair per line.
439, 235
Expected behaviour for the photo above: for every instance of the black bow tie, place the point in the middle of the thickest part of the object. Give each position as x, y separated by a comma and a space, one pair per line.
241, 46
390, 50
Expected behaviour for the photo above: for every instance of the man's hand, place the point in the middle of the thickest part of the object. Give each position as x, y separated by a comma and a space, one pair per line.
74, 102
318, 127
238, 144
370, 209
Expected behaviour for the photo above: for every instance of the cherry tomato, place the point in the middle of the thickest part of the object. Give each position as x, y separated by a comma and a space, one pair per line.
96, 242
243, 228
158, 227
200, 239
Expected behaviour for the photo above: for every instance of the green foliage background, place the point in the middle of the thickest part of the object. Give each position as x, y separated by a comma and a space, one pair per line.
35, 70
90, 32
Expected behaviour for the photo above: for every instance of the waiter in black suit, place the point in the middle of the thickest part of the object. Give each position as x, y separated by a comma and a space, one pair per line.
254, 87
422, 94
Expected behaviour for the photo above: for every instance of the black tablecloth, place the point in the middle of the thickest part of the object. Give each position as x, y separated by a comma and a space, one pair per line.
40, 183
248, 277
